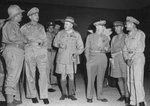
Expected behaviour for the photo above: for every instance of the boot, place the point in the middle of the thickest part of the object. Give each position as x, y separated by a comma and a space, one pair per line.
72, 97
35, 100
122, 98
16, 102
63, 86
127, 100
63, 97
46, 101
141, 104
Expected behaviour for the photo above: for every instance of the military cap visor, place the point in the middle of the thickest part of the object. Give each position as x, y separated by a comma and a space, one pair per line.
101, 22
32, 11
118, 23
70, 20
132, 20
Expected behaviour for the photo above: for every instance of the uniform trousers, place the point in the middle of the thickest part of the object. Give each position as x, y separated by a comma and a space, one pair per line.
14, 61
36, 56
96, 67
135, 75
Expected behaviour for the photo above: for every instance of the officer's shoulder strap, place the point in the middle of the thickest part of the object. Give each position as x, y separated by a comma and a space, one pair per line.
141, 32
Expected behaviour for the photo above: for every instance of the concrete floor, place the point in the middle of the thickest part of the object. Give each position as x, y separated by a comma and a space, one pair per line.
109, 92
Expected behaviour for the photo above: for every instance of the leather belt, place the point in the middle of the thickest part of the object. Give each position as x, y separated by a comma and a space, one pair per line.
35, 44
97, 51
21, 46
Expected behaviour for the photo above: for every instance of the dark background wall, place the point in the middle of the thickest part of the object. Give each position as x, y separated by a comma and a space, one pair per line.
84, 16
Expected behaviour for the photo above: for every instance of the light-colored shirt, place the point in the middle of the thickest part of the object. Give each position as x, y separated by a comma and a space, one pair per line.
96, 43
134, 44
34, 33
12, 34
73, 45
117, 43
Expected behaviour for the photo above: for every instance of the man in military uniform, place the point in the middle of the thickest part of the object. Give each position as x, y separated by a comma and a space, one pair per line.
13, 52
119, 67
51, 56
1, 49
35, 55
97, 44
134, 56
56, 28
70, 46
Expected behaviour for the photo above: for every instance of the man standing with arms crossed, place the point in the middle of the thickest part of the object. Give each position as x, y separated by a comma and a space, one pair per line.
35, 55
13, 52
70, 46
134, 56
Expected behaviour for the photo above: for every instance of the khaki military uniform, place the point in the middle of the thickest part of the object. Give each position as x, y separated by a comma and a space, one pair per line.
133, 50
96, 46
65, 60
51, 58
13, 55
36, 55
119, 66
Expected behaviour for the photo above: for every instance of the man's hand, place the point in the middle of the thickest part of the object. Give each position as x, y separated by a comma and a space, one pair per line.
129, 62
63, 46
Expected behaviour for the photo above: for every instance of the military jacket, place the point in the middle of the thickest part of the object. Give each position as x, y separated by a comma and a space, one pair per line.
117, 44
34, 33
12, 34
134, 44
73, 45
96, 43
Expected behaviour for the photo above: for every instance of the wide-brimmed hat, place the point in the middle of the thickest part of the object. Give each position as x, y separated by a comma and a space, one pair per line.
69, 19
132, 19
118, 23
14, 10
32, 11
100, 22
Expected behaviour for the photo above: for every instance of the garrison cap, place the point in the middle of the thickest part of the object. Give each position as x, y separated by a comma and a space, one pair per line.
69, 19
132, 19
101, 22
118, 23
32, 11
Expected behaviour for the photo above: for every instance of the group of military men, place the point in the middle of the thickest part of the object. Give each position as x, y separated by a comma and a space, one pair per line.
32, 47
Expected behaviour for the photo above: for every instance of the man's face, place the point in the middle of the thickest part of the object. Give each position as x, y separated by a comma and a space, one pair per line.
18, 17
68, 25
57, 27
34, 17
118, 29
99, 28
129, 26
50, 28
